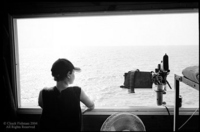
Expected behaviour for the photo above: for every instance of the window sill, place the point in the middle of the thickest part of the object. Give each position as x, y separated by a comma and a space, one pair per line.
138, 110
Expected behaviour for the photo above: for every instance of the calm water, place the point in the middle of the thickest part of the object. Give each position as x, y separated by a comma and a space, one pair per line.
102, 72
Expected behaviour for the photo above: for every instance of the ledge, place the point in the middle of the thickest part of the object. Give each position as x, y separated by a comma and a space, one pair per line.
138, 110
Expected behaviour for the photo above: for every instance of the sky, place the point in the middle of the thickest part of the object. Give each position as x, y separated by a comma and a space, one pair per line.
116, 30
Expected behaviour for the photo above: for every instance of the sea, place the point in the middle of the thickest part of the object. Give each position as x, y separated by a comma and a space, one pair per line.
102, 72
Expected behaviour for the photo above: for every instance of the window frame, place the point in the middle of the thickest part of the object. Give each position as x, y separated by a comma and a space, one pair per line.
139, 110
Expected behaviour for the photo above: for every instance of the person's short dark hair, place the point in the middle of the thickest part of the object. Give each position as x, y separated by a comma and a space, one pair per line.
61, 67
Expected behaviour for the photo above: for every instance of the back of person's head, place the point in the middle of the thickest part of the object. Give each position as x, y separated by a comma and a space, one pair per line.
61, 68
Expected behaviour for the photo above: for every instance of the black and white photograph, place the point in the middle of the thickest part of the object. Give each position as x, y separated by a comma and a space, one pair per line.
100, 66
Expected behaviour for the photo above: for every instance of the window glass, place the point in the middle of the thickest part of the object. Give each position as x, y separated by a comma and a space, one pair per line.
105, 47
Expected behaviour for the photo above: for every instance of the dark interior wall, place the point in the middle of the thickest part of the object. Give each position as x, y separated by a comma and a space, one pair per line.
7, 85
28, 8
151, 122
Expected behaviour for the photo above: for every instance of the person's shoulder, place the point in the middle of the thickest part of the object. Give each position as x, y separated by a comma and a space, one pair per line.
47, 89
77, 89
74, 87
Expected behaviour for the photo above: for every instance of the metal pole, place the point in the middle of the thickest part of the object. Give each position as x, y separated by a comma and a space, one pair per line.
176, 106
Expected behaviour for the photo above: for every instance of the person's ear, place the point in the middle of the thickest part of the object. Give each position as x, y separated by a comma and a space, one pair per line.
68, 74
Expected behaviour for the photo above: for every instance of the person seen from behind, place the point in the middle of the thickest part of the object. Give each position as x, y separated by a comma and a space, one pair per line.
61, 103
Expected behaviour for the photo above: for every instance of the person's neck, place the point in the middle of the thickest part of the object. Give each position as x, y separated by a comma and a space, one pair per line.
61, 85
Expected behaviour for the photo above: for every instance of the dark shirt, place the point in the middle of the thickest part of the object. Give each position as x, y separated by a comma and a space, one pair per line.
61, 110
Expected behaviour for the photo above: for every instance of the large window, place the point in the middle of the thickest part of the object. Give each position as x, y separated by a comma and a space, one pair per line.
105, 47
